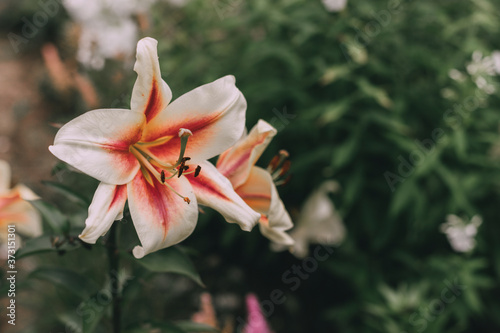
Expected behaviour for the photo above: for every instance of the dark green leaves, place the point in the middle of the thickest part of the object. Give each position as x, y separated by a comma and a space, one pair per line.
171, 260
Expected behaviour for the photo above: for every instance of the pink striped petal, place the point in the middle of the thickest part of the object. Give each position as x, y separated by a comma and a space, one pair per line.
161, 218
214, 113
214, 190
106, 207
151, 94
260, 193
235, 163
97, 143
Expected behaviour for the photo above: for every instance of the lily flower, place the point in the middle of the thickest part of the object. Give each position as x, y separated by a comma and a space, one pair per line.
256, 185
15, 210
155, 156
319, 222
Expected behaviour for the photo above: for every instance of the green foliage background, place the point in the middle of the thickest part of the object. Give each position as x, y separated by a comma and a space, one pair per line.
361, 87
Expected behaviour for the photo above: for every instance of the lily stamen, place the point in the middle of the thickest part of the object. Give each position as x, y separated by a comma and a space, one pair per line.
197, 171
277, 161
184, 134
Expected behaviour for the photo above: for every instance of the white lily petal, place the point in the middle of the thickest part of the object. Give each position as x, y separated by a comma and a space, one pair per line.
97, 143
276, 235
215, 191
107, 205
214, 113
151, 94
161, 218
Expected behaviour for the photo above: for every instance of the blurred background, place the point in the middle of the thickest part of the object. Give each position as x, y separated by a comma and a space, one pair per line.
389, 110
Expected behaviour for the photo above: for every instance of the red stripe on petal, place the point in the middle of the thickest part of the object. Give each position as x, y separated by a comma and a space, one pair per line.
119, 195
154, 199
153, 107
206, 185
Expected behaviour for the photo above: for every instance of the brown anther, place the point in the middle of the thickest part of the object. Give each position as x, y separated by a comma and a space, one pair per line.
274, 163
162, 176
186, 199
284, 153
285, 168
287, 180
182, 168
197, 171
184, 159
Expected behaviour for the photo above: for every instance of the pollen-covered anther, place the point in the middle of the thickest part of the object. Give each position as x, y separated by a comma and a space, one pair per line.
197, 171
182, 168
285, 168
279, 167
283, 153
186, 199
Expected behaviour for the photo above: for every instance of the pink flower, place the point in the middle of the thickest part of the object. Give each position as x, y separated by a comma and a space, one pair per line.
256, 323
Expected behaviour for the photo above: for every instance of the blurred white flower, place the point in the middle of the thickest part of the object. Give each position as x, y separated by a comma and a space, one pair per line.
481, 69
318, 223
334, 5
496, 61
461, 234
456, 75
107, 28
481, 65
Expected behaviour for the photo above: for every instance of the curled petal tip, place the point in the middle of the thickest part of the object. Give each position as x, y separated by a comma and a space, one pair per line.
138, 252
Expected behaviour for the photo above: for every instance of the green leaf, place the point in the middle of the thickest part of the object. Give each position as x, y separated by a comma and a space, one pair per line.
171, 260
52, 215
335, 111
72, 281
92, 311
191, 327
379, 94
43, 244
35, 246
68, 193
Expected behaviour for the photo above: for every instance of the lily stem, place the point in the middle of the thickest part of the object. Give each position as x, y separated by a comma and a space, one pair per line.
114, 257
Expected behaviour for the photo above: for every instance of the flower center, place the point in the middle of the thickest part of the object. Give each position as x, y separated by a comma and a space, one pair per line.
151, 166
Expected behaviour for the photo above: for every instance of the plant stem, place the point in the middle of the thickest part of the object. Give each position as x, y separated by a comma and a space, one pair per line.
114, 257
